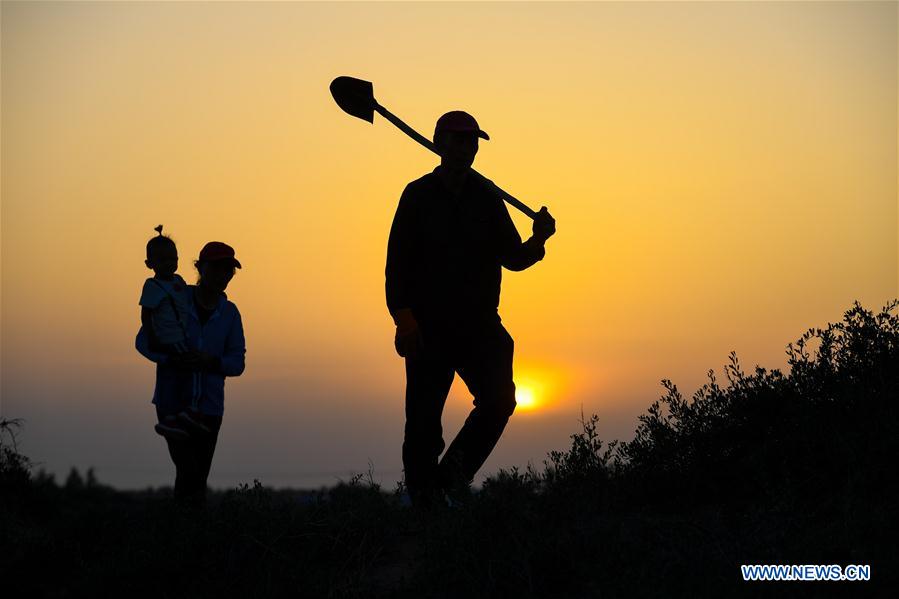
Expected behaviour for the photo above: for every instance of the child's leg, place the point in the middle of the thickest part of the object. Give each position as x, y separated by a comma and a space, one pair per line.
197, 384
187, 381
169, 426
193, 390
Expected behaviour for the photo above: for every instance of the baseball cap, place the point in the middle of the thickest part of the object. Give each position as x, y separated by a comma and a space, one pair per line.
216, 250
458, 120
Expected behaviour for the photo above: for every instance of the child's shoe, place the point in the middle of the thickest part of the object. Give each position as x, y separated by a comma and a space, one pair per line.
171, 428
194, 419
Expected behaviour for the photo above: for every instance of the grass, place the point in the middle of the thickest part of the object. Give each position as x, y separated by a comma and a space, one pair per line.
767, 467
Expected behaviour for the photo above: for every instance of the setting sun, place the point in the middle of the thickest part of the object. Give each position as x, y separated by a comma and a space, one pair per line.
525, 398
538, 386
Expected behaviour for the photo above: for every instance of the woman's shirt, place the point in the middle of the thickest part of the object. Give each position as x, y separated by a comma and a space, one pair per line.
221, 336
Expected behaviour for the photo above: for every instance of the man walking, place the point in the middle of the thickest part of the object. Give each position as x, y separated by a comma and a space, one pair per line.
450, 238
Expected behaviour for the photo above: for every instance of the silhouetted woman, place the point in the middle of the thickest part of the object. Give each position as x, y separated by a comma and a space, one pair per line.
217, 348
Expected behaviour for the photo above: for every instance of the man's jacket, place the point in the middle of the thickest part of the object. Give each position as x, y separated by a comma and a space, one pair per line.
445, 255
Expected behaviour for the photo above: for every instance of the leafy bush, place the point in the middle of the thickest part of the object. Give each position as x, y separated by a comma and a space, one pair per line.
15, 468
764, 430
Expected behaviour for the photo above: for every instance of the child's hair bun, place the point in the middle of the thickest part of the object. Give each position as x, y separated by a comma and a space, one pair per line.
158, 230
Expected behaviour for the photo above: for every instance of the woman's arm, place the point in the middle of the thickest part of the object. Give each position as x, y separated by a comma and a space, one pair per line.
233, 360
142, 344
146, 321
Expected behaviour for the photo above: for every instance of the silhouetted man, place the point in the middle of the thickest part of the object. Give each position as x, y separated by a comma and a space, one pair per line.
450, 237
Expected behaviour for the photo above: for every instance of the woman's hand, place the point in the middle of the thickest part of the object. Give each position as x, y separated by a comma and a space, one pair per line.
196, 360
185, 361
208, 362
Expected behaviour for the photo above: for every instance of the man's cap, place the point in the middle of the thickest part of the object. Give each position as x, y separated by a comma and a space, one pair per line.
216, 250
458, 120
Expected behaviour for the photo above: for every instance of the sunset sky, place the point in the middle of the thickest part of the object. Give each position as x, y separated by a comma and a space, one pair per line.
723, 175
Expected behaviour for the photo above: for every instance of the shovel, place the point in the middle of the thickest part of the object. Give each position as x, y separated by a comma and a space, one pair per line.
356, 97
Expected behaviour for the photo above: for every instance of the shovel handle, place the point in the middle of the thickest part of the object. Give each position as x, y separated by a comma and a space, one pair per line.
509, 198
405, 128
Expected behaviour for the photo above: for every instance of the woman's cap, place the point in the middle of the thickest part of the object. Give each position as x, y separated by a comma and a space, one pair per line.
458, 120
216, 250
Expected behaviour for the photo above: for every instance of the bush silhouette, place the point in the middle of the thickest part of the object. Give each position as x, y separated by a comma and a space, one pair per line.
766, 431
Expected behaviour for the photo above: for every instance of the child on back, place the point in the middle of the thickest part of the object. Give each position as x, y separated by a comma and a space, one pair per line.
165, 310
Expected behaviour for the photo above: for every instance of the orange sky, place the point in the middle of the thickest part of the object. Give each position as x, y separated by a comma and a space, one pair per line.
724, 176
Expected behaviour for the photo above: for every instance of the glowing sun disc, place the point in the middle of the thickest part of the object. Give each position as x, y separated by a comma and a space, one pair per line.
524, 397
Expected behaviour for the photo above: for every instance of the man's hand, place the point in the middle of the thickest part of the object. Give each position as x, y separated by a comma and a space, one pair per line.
544, 225
408, 341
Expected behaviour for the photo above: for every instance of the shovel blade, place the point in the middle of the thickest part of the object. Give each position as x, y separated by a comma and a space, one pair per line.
355, 96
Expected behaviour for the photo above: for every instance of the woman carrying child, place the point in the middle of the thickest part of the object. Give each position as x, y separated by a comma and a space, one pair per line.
190, 379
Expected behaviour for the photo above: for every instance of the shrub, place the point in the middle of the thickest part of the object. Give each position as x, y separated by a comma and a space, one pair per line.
15, 468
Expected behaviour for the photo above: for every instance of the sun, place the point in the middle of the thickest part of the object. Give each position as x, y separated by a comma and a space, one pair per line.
536, 387
525, 398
